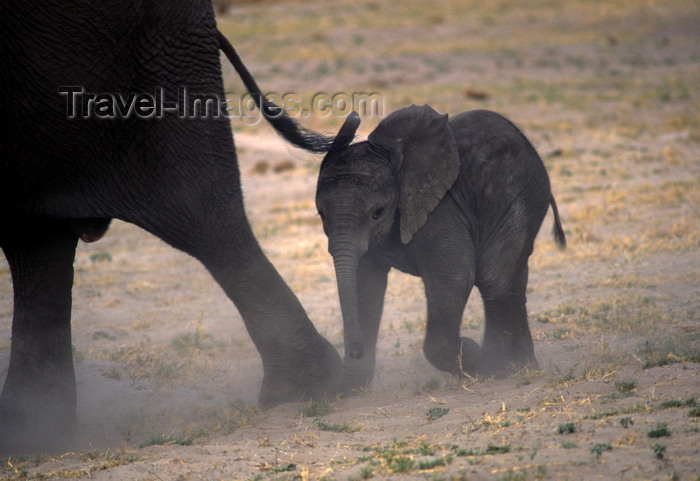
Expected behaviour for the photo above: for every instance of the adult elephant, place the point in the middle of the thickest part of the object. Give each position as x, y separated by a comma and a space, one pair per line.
69, 164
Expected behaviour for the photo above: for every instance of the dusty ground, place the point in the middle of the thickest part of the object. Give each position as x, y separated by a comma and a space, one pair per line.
609, 95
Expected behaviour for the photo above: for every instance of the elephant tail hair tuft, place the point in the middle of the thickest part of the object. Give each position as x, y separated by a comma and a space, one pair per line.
282, 123
557, 229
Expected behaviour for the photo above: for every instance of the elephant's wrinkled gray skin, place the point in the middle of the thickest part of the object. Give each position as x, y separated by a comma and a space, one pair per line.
457, 202
61, 179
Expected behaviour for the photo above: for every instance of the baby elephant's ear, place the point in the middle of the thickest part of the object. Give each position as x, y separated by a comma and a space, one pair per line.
346, 134
424, 152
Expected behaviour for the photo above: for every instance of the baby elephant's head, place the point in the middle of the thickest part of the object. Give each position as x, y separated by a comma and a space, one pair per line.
382, 187
356, 197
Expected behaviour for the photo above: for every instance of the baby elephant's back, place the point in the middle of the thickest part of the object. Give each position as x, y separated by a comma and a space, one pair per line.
500, 170
485, 137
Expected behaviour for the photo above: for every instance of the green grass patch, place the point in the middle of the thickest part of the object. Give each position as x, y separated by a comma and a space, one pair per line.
418, 455
677, 403
625, 387
659, 451
336, 428
496, 449
626, 422
434, 463
567, 428
513, 476
620, 314
434, 413
285, 468
191, 342
669, 350
101, 257
490, 449
163, 440
661, 430
637, 408
600, 448
315, 409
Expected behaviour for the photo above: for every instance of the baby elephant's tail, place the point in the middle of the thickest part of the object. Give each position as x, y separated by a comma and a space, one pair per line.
557, 230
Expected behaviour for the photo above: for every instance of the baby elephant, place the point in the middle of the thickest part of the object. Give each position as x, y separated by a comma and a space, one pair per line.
457, 202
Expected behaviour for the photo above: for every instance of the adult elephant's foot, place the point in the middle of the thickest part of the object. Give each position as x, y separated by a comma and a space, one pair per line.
36, 424
309, 374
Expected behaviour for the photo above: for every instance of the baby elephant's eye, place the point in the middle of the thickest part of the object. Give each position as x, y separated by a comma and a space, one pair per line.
378, 213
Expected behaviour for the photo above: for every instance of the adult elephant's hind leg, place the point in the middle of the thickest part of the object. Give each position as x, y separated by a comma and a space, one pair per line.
38, 401
298, 362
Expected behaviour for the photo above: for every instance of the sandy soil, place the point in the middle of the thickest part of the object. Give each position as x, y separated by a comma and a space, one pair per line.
168, 378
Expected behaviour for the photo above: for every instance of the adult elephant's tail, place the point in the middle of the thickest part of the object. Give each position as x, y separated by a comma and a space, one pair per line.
285, 125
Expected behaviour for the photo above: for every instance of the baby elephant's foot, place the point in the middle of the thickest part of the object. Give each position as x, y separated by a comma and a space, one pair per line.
357, 376
469, 357
493, 365
460, 359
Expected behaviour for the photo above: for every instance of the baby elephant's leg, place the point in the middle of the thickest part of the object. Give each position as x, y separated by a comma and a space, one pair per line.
470, 355
507, 345
371, 288
443, 346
